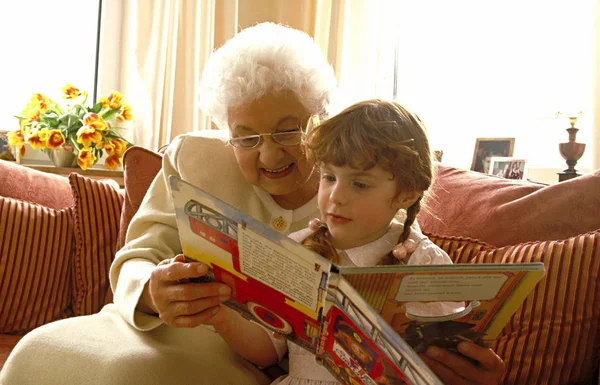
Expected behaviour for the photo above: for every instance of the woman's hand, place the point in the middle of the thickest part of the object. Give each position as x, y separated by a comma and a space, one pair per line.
484, 368
180, 302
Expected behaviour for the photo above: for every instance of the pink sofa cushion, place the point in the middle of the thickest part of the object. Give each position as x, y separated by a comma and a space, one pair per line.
35, 262
30, 185
504, 212
97, 215
140, 166
553, 337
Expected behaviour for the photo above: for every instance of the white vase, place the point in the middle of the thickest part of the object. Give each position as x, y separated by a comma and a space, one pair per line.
62, 158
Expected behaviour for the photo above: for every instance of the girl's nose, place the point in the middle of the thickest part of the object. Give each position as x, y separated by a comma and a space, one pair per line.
338, 195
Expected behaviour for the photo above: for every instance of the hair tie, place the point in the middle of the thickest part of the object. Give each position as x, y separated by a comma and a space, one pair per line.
315, 224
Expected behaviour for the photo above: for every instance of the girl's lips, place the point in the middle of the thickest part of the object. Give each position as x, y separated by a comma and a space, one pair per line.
278, 174
338, 219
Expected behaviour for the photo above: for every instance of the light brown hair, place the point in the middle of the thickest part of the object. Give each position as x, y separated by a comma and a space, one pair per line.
367, 134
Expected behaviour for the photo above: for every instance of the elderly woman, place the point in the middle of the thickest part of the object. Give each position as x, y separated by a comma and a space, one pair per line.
262, 86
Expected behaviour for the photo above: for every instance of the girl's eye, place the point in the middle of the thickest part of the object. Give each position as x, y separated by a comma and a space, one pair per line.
360, 185
329, 178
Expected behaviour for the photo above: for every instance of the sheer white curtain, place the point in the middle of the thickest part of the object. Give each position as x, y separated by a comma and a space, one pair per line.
165, 44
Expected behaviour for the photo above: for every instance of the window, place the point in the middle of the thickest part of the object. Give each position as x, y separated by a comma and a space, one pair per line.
473, 69
45, 44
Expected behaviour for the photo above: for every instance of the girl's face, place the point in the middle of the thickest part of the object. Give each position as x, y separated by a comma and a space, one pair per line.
280, 170
358, 205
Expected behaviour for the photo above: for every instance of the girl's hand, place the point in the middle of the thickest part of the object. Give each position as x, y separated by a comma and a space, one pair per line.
482, 366
180, 302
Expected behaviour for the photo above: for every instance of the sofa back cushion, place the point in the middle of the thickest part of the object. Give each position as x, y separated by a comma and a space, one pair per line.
27, 184
140, 166
36, 245
553, 337
96, 229
504, 212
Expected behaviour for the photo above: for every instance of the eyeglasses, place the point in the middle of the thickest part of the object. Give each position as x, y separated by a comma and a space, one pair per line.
285, 138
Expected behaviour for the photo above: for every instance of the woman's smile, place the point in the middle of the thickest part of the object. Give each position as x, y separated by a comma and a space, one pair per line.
278, 173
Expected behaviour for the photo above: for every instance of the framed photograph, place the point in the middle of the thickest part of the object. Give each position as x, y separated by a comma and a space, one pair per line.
508, 167
6, 152
486, 148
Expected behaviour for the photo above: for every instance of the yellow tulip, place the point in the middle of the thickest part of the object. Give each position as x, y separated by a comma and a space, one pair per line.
120, 146
116, 99
37, 139
94, 121
105, 102
107, 146
55, 139
16, 138
70, 91
87, 135
112, 162
86, 158
124, 114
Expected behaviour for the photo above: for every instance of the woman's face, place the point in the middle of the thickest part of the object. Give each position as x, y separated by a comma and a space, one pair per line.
282, 171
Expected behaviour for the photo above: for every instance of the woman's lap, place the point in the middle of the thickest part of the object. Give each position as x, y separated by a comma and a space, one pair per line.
104, 349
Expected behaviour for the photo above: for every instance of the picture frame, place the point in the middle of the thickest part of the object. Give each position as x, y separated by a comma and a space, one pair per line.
486, 148
7, 152
508, 167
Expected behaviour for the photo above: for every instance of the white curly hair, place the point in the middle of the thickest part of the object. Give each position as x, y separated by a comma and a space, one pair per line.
264, 58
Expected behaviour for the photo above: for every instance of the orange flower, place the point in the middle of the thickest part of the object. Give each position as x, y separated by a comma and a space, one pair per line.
116, 99
55, 139
38, 139
87, 135
94, 121
120, 146
112, 162
41, 101
86, 158
70, 91
105, 102
16, 138
124, 114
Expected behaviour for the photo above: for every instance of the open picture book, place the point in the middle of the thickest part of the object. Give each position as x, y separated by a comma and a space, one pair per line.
365, 325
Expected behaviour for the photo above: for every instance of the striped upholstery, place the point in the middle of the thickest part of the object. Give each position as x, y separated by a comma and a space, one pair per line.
553, 338
97, 215
36, 245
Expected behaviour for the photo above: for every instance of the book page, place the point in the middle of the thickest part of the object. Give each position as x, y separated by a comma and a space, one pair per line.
358, 347
275, 281
279, 268
443, 305
450, 287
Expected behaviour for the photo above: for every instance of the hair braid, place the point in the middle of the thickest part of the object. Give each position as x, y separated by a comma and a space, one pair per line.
320, 242
411, 215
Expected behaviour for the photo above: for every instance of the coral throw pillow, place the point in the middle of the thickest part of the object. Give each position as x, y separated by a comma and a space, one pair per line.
140, 166
35, 262
553, 338
97, 215
505, 212
27, 184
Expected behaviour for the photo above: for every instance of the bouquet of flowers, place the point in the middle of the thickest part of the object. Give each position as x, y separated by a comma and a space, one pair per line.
87, 132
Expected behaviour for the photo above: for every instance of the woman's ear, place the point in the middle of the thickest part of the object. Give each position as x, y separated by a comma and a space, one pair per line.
406, 199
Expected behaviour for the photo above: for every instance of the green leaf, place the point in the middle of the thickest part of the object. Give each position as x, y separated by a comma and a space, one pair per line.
52, 122
97, 107
110, 114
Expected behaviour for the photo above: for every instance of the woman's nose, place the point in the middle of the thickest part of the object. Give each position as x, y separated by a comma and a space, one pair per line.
270, 151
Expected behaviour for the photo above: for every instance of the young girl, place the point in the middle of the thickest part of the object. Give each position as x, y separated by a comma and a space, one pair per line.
375, 168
